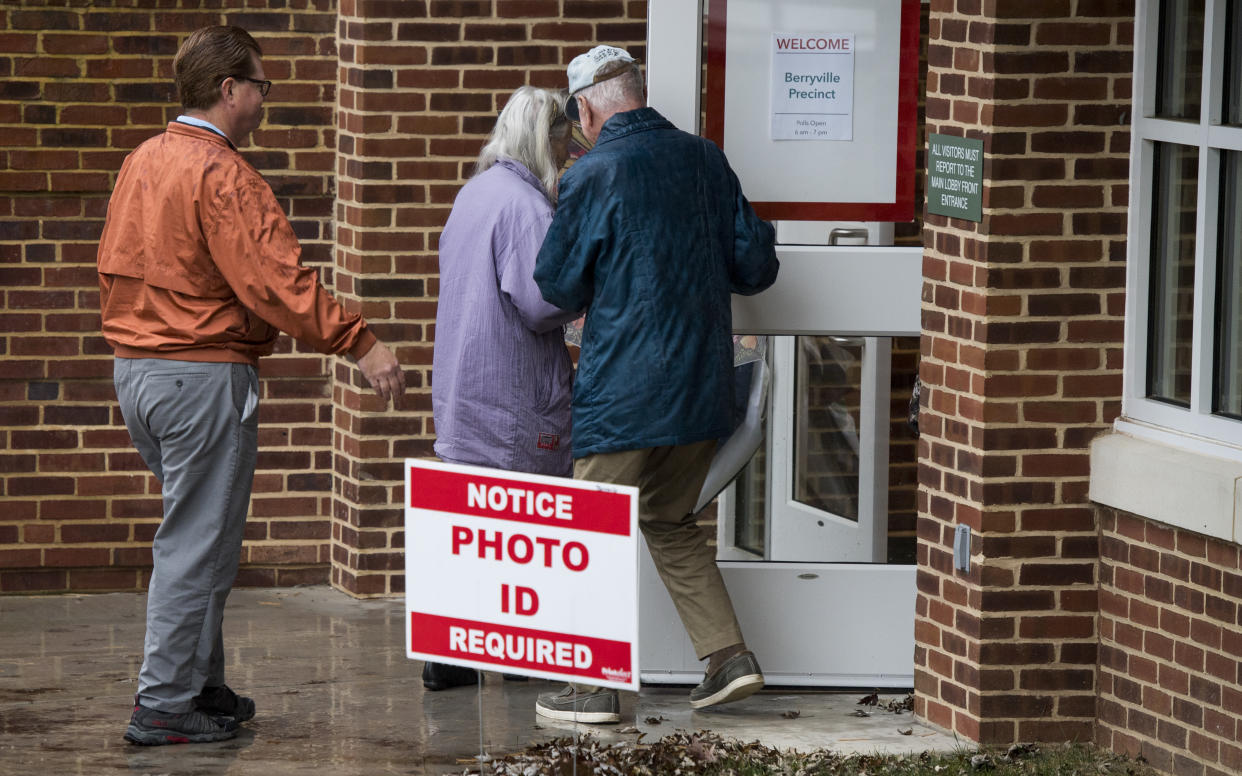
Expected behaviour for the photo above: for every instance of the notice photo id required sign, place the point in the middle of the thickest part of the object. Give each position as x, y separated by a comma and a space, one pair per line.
522, 573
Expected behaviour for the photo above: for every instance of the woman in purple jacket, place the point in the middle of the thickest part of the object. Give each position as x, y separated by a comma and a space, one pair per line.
502, 379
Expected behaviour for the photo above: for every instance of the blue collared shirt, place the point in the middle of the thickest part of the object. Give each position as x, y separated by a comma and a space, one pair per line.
197, 122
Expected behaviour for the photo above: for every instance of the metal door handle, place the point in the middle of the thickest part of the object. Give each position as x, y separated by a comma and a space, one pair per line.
847, 232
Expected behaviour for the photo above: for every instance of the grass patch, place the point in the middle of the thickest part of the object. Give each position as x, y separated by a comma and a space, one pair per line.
706, 754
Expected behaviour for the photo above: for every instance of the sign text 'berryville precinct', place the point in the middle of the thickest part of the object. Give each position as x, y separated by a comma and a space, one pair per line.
521, 573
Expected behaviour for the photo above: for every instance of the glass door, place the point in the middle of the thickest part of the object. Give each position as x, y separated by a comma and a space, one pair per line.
842, 459
816, 537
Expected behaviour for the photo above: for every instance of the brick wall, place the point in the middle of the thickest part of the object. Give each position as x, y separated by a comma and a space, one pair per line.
1170, 677
420, 86
82, 87
1021, 362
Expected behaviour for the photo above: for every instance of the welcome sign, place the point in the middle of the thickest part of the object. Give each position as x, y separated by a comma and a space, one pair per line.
812, 86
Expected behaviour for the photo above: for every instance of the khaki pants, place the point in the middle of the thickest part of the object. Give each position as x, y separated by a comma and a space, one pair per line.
669, 480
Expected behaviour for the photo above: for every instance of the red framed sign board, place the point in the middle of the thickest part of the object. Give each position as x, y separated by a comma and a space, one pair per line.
522, 573
858, 61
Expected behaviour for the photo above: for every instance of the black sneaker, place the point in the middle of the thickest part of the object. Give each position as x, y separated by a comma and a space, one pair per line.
148, 727
737, 678
223, 702
441, 676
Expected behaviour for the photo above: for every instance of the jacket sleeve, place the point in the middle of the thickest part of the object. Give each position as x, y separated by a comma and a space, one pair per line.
754, 264
565, 267
516, 268
253, 245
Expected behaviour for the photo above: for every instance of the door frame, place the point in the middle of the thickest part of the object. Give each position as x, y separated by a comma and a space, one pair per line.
839, 624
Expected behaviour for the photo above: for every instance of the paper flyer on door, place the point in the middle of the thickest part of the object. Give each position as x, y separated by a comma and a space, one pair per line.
812, 86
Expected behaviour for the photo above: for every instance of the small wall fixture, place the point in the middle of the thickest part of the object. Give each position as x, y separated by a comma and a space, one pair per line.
961, 548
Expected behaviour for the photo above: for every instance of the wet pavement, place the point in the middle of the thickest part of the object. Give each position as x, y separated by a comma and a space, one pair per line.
336, 695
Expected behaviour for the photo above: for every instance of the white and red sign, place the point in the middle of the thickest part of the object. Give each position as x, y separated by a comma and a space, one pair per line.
522, 573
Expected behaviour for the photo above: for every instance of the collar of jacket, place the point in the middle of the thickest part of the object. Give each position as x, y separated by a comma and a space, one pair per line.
202, 133
520, 170
631, 121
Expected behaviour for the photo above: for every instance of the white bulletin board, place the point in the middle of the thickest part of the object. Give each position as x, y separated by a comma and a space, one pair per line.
857, 163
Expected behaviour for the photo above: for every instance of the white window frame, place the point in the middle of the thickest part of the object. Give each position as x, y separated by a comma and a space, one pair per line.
1194, 428
1175, 465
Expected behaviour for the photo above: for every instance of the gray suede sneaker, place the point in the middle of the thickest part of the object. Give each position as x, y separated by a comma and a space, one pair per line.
736, 679
594, 705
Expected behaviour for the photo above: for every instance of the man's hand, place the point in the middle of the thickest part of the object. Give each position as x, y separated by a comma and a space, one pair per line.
384, 374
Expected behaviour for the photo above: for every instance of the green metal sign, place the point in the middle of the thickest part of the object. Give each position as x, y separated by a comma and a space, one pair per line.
955, 177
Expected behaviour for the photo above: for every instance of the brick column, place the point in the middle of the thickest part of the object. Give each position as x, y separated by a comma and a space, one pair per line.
382, 266
420, 84
1021, 362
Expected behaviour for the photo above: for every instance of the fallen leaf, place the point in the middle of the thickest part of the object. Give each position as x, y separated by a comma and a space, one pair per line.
905, 731
702, 750
869, 700
981, 761
791, 714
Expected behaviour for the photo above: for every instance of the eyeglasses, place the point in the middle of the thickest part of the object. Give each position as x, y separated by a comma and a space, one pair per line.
264, 86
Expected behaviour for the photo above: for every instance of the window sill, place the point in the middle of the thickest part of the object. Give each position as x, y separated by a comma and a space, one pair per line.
1180, 487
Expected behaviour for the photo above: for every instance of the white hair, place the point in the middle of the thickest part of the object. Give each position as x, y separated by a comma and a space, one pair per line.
621, 93
522, 133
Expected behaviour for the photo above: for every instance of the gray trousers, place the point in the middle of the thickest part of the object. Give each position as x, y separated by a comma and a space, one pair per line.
669, 480
196, 426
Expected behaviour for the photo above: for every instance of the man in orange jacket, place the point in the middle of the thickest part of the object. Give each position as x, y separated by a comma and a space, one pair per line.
199, 272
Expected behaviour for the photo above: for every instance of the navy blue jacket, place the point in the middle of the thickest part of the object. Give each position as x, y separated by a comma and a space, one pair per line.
650, 236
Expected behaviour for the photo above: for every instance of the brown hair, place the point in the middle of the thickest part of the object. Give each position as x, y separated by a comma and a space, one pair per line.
206, 58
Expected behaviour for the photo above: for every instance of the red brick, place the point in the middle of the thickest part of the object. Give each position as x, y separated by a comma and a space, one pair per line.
104, 579
75, 557
20, 558
28, 581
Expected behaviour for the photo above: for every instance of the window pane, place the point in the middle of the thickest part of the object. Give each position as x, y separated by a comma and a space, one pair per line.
1228, 361
1172, 281
1233, 64
1179, 74
827, 417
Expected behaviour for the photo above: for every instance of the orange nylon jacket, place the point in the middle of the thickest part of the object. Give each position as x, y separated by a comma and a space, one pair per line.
197, 261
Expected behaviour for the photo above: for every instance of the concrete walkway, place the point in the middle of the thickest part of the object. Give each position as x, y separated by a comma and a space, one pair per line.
336, 695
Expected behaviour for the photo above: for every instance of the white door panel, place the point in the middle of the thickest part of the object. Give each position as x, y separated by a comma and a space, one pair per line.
845, 289
810, 624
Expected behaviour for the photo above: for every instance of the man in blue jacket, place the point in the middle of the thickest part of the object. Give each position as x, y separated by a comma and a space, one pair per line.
651, 235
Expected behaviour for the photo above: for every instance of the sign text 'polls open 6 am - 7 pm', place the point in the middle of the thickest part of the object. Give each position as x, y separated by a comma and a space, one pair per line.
522, 573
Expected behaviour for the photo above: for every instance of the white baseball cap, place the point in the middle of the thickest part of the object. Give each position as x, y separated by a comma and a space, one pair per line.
598, 64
